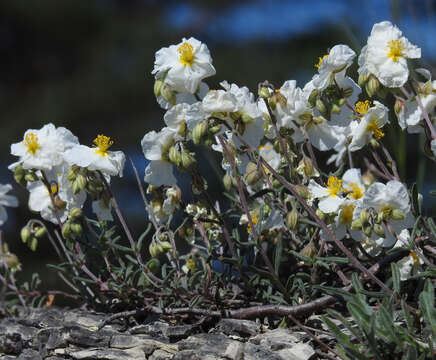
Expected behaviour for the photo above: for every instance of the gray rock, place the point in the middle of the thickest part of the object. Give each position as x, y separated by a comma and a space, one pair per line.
29, 354
80, 336
160, 354
276, 339
157, 329
11, 343
178, 332
104, 354
259, 352
243, 328
297, 352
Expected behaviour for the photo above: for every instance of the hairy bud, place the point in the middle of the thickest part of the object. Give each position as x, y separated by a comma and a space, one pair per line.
252, 174
25, 234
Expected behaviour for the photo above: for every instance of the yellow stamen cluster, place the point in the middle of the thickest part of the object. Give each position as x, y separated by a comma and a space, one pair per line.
414, 257
320, 59
186, 52
54, 189
103, 143
31, 141
356, 191
362, 107
255, 220
347, 213
334, 186
396, 48
375, 129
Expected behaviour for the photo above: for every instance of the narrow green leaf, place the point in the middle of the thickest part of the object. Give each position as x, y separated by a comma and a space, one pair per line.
396, 282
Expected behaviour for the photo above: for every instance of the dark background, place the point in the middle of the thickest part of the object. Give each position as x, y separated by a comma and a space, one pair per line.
86, 65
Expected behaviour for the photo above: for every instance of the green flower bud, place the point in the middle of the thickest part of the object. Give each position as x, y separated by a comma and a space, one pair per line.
397, 214
81, 181
336, 109
30, 177
199, 131
292, 219
399, 106
75, 213
71, 175
66, 230
277, 99
367, 230
321, 107
19, 174
214, 129
264, 92
33, 243
166, 245
227, 181
168, 94
174, 156
372, 86
347, 92
12, 261
303, 191
378, 229
153, 265
364, 216
188, 160
363, 79
76, 228
246, 119
309, 250
320, 214
356, 225
40, 232
25, 234
157, 87
312, 97
252, 174
341, 101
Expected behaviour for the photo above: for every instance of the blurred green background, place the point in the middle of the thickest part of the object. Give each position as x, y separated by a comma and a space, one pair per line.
86, 65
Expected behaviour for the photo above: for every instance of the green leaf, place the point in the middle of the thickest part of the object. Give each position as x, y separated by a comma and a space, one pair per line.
426, 303
278, 254
415, 203
396, 282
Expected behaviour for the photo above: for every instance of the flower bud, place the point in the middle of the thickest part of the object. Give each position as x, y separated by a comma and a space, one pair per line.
60, 204
157, 87
303, 191
356, 225
277, 99
252, 174
199, 131
153, 265
76, 228
367, 230
71, 175
12, 261
363, 79
154, 251
372, 86
214, 129
292, 219
312, 97
227, 181
397, 214
75, 213
399, 106
167, 94
30, 177
336, 109
309, 250
33, 243
19, 174
174, 156
25, 234
364, 216
264, 92
188, 160
341, 101
347, 92
66, 230
321, 107
40, 232
166, 245
378, 229
246, 119
374, 143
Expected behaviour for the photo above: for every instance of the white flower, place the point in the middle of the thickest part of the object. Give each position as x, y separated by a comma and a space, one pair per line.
6, 200
155, 147
342, 223
353, 184
374, 118
97, 158
410, 263
334, 64
411, 114
388, 200
43, 149
183, 66
330, 197
219, 101
385, 55
61, 190
271, 156
175, 118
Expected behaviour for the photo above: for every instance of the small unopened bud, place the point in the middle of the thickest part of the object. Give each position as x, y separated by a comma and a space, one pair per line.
277, 99
321, 107
12, 261
364, 216
157, 87
347, 92
252, 174
336, 109
363, 79
168, 94
397, 214
153, 265
246, 119
307, 167
25, 234
374, 143
188, 160
71, 175
303, 191
153, 249
40, 232
320, 214
214, 129
227, 181
19, 174
312, 97
199, 131
76, 228
341, 101
264, 92
79, 184
292, 219
378, 229
75, 213
166, 245
372, 86
367, 230
174, 156
30, 177
317, 120
66, 230
356, 225
33, 244
309, 250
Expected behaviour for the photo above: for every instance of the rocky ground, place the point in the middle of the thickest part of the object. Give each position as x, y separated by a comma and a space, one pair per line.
56, 334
